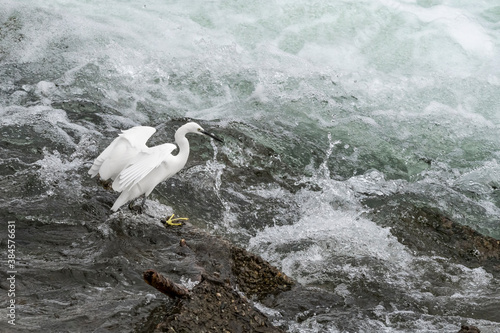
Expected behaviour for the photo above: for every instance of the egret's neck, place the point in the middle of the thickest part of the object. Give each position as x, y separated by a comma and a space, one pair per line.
183, 143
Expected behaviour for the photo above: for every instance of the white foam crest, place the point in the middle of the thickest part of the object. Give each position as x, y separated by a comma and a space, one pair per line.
322, 231
60, 174
167, 52
440, 110
475, 280
482, 179
331, 238
373, 182
457, 22
30, 115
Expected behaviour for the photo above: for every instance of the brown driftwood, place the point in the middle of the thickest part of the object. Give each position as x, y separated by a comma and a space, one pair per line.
165, 285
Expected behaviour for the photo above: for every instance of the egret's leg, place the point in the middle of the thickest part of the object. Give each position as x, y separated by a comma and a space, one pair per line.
134, 208
107, 184
171, 220
137, 208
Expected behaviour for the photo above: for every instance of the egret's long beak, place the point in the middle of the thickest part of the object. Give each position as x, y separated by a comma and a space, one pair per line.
213, 136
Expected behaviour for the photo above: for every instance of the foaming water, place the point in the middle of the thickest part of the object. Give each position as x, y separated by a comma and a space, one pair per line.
326, 105
314, 239
332, 246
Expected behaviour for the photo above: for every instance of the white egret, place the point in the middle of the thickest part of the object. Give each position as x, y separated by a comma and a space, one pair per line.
136, 169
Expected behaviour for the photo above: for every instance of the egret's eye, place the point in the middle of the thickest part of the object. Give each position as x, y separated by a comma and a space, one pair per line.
199, 129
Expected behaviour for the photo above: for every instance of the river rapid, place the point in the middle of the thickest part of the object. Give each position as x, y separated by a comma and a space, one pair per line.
342, 121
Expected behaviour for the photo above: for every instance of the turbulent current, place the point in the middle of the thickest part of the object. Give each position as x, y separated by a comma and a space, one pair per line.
349, 127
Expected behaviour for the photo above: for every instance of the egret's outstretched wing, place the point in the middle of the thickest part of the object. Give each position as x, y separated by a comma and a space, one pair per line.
138, 135
121, 151
142, 165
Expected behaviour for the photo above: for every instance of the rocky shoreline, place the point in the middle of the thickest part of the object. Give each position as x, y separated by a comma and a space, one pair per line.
230, 287
429, 232
231, 278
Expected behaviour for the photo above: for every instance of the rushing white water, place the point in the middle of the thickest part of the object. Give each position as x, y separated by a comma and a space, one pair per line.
358, 99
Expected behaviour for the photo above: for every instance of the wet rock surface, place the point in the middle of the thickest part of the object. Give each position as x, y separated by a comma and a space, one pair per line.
255, 276
469, 329
111, 256
215, 305
428, 231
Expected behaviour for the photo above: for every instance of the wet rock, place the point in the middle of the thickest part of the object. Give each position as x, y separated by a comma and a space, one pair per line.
81, 110
256, 276
215, 307
428, 231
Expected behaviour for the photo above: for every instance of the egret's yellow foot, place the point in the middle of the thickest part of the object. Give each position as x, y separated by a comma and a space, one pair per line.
171, 220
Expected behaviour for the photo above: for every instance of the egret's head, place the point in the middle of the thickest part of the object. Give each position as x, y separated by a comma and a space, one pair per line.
193, 127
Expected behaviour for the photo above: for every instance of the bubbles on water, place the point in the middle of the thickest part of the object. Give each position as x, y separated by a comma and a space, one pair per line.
188, 283
45, 88
311, 325
319, 236
482, 180
373, 182
59, 174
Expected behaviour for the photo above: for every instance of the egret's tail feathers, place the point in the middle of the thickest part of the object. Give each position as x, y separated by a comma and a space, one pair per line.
117, 186
125, 197
122, 200
94, 170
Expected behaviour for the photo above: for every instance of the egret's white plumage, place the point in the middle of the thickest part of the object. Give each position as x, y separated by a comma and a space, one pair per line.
121, 152
135, 168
